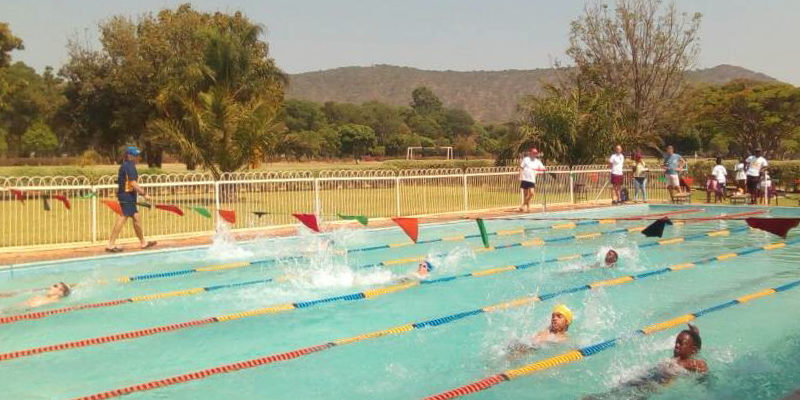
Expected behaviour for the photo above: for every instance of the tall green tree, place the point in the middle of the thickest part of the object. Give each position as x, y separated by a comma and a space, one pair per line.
571, 126
356, 139
8, 43
641, 48
227, 119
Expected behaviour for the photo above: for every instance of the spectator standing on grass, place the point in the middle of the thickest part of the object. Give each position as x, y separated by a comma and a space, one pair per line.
755, 165
639, 177
741, 177
673, 165
529, 166
616, 162
717, 181
127, 190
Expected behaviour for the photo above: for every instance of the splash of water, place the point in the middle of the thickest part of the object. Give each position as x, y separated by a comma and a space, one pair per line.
224, 246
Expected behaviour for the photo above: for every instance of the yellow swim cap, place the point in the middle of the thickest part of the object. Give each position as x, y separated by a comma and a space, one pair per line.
565, 311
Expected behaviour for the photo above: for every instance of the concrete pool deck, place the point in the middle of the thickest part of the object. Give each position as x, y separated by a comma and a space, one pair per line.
9, 259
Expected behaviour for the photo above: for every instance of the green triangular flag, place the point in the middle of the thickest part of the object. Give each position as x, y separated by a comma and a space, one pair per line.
89, 195
143, 204
484, 236
202, 211
363, 220
46, 204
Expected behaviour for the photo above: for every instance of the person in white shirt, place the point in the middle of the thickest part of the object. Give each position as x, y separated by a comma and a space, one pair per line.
616, 163
741, 178
529, 166
717, 182
755, 165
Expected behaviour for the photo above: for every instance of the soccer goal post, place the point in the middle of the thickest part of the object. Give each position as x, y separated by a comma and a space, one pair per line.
447, 150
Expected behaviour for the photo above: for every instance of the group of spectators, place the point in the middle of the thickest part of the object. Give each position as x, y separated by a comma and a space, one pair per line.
751, 176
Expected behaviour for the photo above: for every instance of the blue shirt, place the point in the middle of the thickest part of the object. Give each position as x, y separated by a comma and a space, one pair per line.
672, 163
127, 173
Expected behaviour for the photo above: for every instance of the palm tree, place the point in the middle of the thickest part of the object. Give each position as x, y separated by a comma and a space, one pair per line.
228, 118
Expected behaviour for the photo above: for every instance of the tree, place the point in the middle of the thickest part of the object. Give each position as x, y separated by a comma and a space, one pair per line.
571, 126
301, 115
641, 49
8, 43
356, 139
425, 102
3, 142
228, 118
750, 115
39, 138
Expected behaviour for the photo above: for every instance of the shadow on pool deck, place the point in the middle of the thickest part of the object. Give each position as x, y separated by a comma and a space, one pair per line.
99, 248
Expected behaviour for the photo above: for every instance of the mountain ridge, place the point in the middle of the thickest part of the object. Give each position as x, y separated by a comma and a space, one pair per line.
490, 96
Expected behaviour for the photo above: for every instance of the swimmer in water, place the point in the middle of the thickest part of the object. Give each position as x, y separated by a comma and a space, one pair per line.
423, 270
683, 362
54, 294
611, 258
560, 320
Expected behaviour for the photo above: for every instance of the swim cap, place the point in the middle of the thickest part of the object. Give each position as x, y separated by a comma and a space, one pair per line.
565, 311
428, 265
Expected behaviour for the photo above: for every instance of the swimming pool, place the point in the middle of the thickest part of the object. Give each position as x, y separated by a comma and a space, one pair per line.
751, 348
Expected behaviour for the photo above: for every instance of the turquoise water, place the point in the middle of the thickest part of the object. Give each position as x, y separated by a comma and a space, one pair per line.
751, 348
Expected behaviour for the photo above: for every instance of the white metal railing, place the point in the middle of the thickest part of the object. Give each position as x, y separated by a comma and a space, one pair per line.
265, 199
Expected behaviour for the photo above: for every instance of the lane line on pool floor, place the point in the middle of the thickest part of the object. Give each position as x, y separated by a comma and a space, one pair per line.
401, 329
583, 352
353, 296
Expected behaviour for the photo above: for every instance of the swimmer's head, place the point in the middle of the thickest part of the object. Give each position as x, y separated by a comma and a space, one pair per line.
59, 289
424, 268
560, 319
688, 343
611, 258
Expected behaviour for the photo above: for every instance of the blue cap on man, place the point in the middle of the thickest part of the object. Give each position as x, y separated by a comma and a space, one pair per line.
132, 150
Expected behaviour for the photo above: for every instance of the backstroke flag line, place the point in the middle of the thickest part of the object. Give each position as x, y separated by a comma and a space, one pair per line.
410, 226
775, 226
482, 228
363, 220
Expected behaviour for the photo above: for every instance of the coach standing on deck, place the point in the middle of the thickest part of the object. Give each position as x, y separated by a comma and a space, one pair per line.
529, 166
616, 162
127, 189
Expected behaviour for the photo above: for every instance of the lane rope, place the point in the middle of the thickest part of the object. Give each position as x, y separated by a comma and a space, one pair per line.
583, 352
493, 270
401, 329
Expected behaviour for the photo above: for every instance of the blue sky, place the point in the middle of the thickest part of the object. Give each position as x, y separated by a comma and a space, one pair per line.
429, 34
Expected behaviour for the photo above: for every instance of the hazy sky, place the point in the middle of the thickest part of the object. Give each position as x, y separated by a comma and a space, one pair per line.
428, 34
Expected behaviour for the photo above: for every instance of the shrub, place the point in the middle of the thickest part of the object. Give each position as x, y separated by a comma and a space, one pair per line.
39, 138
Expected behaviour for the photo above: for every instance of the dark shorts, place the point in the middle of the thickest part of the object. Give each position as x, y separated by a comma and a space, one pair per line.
526, 185
752, 184
616, 179
128, 204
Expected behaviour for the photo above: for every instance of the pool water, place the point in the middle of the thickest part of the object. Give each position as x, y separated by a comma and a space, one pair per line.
752, 349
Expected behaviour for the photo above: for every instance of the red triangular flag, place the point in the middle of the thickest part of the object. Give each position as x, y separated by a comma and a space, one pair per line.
410, 226
228, 215
18, 194
170, 208
63, 198
113, 205
776, 226
309, 220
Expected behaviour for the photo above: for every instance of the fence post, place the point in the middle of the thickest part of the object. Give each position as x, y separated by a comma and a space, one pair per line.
466, 193
397, 196
216, 202
94, 214
571, 187
317, 205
